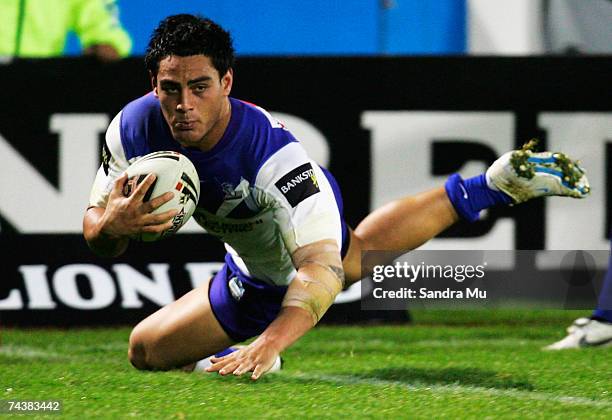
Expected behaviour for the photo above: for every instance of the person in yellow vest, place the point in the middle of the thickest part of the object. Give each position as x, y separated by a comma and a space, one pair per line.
39, 28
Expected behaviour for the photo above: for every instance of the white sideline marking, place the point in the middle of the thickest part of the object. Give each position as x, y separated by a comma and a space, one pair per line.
29, 352
513, 393
111, 346
453, 342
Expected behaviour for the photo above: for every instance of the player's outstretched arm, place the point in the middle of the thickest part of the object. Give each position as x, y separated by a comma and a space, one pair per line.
107, 230
319, 279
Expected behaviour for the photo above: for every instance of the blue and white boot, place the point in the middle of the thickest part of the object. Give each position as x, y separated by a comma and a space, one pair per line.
525, 174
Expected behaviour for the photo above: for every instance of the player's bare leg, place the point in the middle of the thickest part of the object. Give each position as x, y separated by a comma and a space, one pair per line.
178, 334
400, 225
515, 177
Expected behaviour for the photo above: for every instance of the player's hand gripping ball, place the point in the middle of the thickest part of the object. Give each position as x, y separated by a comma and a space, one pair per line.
174, 172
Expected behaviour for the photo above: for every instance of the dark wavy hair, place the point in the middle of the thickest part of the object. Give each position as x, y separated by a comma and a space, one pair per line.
184, 35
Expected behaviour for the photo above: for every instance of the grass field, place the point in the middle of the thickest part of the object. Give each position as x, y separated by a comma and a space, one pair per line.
455, 364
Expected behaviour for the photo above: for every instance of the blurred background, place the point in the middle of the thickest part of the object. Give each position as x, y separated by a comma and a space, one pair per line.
391, 95
375, 27
318, 27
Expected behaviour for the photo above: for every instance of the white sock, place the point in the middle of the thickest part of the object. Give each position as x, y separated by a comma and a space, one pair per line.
201, 365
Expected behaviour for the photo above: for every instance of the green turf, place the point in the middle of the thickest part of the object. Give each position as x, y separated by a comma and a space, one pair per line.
453, 364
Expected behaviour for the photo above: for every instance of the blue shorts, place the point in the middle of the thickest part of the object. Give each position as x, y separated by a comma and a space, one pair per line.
259, 302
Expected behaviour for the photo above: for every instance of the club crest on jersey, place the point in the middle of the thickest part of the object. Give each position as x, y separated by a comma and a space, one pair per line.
229, 193
299, 184
105, 158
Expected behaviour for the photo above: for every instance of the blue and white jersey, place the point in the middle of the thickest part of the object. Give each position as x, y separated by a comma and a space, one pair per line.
260, 193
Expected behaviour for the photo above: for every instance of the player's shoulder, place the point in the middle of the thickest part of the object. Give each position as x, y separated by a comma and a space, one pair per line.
140, 124
142, 107
261, 134
256, 115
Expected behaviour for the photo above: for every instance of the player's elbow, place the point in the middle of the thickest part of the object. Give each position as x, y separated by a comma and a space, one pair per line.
104, 247
109, 250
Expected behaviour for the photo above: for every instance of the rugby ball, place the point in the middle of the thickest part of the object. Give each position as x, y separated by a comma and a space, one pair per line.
174, 172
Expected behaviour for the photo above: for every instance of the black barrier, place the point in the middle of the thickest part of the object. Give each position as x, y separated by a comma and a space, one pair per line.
42, 98
56, 280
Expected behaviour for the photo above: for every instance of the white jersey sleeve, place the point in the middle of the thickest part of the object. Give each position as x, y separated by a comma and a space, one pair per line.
303, 201
114, 163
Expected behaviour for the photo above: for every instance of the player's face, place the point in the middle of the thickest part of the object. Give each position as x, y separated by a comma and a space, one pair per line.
194, 99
